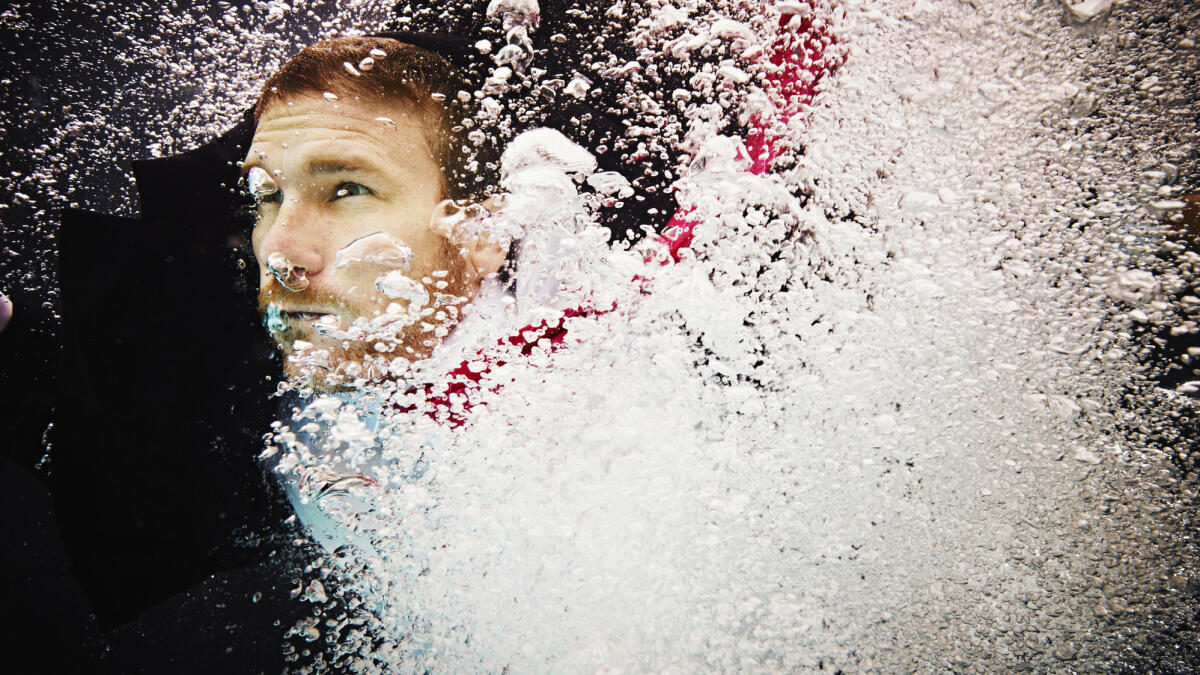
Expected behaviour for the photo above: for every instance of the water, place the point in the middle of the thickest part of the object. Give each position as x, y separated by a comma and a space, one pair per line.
902, 403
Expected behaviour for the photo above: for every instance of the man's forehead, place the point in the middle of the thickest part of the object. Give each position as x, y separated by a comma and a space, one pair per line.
391, 125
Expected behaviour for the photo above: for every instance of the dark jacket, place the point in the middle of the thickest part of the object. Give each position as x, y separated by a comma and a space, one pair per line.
150, 540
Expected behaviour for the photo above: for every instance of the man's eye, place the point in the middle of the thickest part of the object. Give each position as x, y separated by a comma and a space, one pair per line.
351, 190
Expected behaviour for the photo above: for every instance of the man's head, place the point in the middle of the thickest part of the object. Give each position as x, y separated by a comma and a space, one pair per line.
358, 142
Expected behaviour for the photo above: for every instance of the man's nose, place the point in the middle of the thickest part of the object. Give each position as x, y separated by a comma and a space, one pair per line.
295, 241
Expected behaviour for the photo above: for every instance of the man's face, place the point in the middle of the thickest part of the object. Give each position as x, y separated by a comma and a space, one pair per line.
353, 275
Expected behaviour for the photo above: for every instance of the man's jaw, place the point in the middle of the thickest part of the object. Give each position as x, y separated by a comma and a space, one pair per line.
328, 345
313, 358
326, 351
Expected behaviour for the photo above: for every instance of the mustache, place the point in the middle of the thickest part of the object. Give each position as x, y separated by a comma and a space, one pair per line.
273, 292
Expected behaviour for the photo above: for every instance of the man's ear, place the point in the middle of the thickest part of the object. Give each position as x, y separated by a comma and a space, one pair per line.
491, 204
482, 254
485, 255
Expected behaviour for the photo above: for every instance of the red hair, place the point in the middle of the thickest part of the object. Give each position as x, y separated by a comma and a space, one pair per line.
416, 78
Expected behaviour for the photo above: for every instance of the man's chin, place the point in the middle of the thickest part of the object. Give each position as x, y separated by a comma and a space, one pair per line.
314, 366
329, 366
317, 380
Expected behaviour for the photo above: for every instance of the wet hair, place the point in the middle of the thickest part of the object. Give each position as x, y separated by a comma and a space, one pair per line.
414, 77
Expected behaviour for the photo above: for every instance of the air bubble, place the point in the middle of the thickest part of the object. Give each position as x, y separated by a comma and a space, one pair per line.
291, 277
578, 87
260, 184
378, 250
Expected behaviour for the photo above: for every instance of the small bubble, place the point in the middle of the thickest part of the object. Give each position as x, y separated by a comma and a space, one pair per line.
578, 87
1066, 651
315, 592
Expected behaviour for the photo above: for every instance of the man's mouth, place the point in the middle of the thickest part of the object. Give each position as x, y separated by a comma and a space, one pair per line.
279, 320
303, 315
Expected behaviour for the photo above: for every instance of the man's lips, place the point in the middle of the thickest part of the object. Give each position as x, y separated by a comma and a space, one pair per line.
302, 315
303, 318
306, 313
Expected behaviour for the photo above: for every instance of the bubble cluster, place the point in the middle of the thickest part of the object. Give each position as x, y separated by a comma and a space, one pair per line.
884, 410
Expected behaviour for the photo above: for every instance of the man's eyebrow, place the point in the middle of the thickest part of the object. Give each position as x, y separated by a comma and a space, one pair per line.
319, 166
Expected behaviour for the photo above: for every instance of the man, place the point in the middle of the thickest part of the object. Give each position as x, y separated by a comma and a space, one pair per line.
378, 262
358, 142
